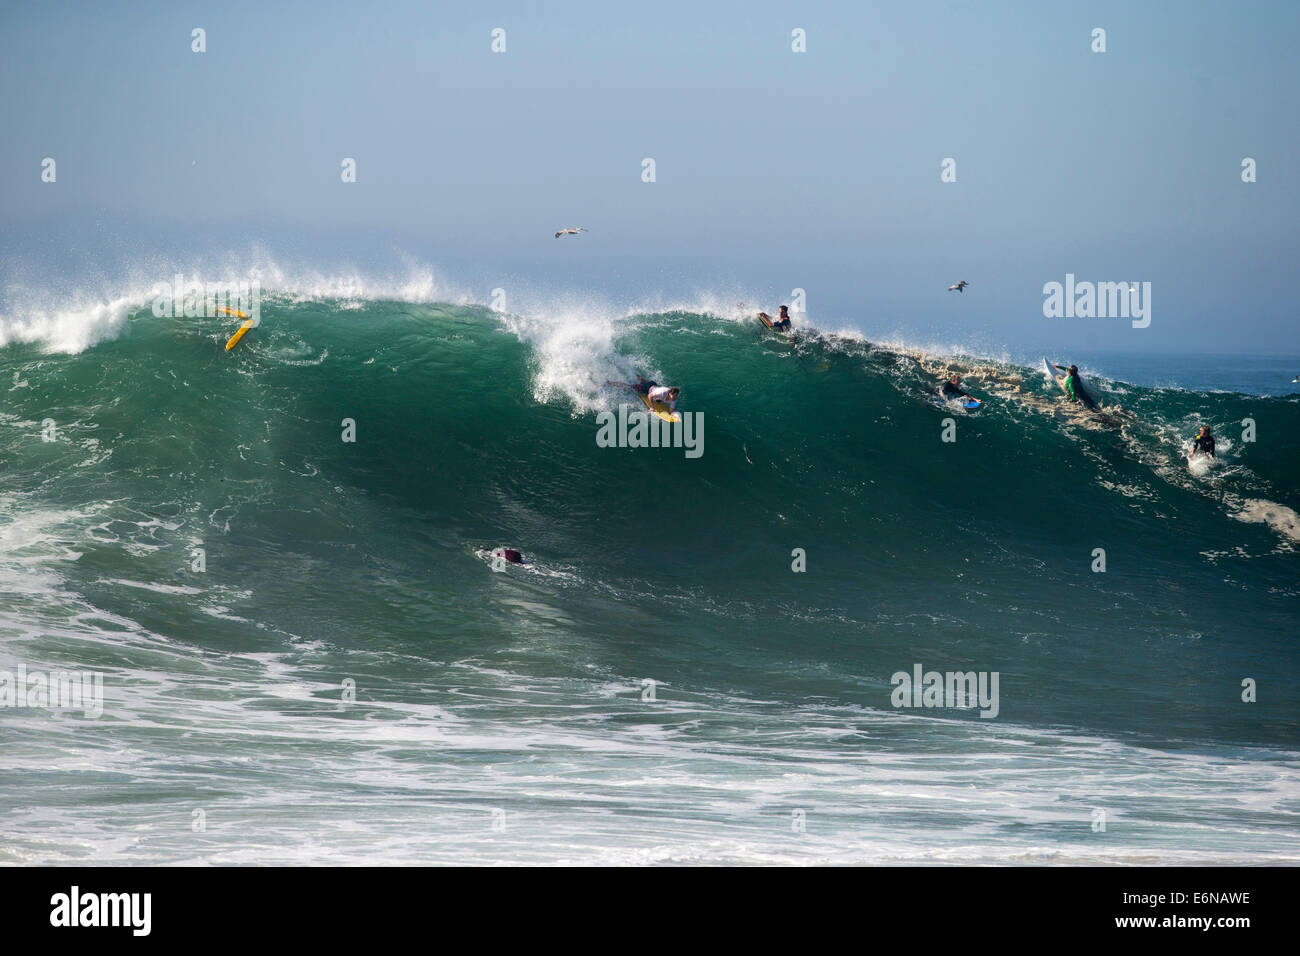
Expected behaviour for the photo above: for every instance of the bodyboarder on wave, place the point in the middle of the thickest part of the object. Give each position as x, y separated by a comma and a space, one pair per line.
652, 390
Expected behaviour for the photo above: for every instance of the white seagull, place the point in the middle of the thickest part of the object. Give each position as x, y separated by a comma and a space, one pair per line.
571, 231
959, 287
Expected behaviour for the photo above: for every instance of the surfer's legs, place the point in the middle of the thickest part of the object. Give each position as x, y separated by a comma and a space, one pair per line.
643, 386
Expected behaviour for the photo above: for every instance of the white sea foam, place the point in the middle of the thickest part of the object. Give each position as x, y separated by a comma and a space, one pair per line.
74, 318
1282, 519
548, 770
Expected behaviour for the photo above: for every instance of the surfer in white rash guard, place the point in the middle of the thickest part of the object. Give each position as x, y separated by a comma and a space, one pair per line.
664, 395
653, 391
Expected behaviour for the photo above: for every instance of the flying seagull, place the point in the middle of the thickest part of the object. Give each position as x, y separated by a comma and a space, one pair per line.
959, 287
571, 231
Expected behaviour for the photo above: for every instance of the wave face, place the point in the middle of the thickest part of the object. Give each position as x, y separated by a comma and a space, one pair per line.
328, 560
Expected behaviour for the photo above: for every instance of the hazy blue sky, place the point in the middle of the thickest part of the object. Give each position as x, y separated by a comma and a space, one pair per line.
774, 169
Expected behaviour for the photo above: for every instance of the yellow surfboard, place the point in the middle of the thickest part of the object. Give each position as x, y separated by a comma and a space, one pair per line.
662, 410
234, 339
235, 312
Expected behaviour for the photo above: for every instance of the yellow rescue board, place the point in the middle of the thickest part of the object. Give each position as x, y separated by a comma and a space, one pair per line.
235, 312
662, 410
234, 339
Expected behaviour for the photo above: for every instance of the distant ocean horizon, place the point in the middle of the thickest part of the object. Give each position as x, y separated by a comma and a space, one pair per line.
1249, 373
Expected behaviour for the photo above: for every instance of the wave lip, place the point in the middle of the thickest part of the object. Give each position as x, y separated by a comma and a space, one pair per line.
81, 315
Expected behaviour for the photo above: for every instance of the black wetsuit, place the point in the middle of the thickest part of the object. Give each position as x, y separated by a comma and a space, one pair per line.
950, 390
1075, 386
1203, 444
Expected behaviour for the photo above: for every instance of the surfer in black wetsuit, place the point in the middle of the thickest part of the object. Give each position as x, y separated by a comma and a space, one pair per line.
1074, 386
1203, 442
952, 389
782, 322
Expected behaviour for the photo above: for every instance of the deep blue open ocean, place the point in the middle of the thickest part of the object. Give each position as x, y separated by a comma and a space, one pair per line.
308, 655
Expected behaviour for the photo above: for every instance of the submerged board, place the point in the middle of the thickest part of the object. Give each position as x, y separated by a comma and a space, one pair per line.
662, 410
1060, 380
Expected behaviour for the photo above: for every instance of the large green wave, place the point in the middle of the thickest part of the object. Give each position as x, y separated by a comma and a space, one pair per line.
474, 430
